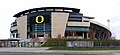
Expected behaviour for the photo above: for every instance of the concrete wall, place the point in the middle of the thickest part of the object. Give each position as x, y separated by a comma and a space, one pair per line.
58, 23
85, 19
22, 26
84, 24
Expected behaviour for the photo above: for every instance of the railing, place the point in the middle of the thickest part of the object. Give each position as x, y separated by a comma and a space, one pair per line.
64, 42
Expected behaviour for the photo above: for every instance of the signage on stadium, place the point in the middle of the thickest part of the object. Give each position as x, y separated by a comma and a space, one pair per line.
39, 17
80, 43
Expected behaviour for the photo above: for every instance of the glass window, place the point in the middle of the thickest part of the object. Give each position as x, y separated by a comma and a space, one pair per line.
49, 9
75, 20
75, 15
77, 28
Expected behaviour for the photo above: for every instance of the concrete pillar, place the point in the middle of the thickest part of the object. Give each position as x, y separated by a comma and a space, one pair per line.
87, 35
15, 35
83, 35
82, 19
44, 28
59, 22
35, 34
22, 26
11, 35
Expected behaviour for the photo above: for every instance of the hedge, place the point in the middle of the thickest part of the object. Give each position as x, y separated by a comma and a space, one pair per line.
54, 42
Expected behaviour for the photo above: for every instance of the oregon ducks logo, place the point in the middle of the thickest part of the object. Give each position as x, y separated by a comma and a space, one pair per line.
39, 17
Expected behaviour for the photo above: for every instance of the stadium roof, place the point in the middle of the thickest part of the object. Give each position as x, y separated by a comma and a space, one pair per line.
44, 8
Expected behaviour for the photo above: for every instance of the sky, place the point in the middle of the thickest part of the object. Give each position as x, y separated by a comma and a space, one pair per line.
102, 10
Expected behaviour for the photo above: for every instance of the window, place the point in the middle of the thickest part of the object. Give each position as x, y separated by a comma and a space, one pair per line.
49, 9
75, 19
77, 28
75, 15
86, 21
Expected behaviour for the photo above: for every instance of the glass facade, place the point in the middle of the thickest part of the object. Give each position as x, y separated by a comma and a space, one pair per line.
45, 27
40, 23
83, 29
76, 17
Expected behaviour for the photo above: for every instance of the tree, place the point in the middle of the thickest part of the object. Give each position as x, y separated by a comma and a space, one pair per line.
92, 33
59, 39
48, 40
34, 39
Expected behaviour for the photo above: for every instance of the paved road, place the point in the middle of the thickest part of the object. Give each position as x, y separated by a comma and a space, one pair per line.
44, 51
23, 49
28, 53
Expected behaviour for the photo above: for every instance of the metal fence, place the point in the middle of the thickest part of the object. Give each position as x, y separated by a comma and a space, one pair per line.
63, 43
20, 44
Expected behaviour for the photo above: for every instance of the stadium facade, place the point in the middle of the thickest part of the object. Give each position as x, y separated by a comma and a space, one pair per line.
54, 21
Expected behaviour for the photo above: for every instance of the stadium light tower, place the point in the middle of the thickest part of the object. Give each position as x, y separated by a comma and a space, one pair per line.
108, 23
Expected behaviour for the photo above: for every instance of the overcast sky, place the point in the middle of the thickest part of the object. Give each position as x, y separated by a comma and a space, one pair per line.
100, 9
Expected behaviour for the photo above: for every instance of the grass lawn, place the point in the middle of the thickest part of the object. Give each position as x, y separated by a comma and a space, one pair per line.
80, 49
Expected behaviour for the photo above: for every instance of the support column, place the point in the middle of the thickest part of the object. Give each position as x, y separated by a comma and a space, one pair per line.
59, 22
18, 43
11, 35
87, 35
15, 35
35, 34
83, 35
44, 28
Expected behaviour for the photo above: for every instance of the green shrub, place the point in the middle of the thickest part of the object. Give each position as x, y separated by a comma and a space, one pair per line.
54, 42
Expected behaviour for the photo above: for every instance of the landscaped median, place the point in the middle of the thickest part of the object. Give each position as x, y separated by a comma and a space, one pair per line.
56, 44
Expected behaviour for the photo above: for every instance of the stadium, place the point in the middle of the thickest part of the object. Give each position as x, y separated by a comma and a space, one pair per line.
55, 21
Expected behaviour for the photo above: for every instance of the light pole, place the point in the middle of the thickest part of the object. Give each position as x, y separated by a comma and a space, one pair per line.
108, 23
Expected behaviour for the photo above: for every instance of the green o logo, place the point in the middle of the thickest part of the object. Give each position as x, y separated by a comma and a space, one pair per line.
42, 19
